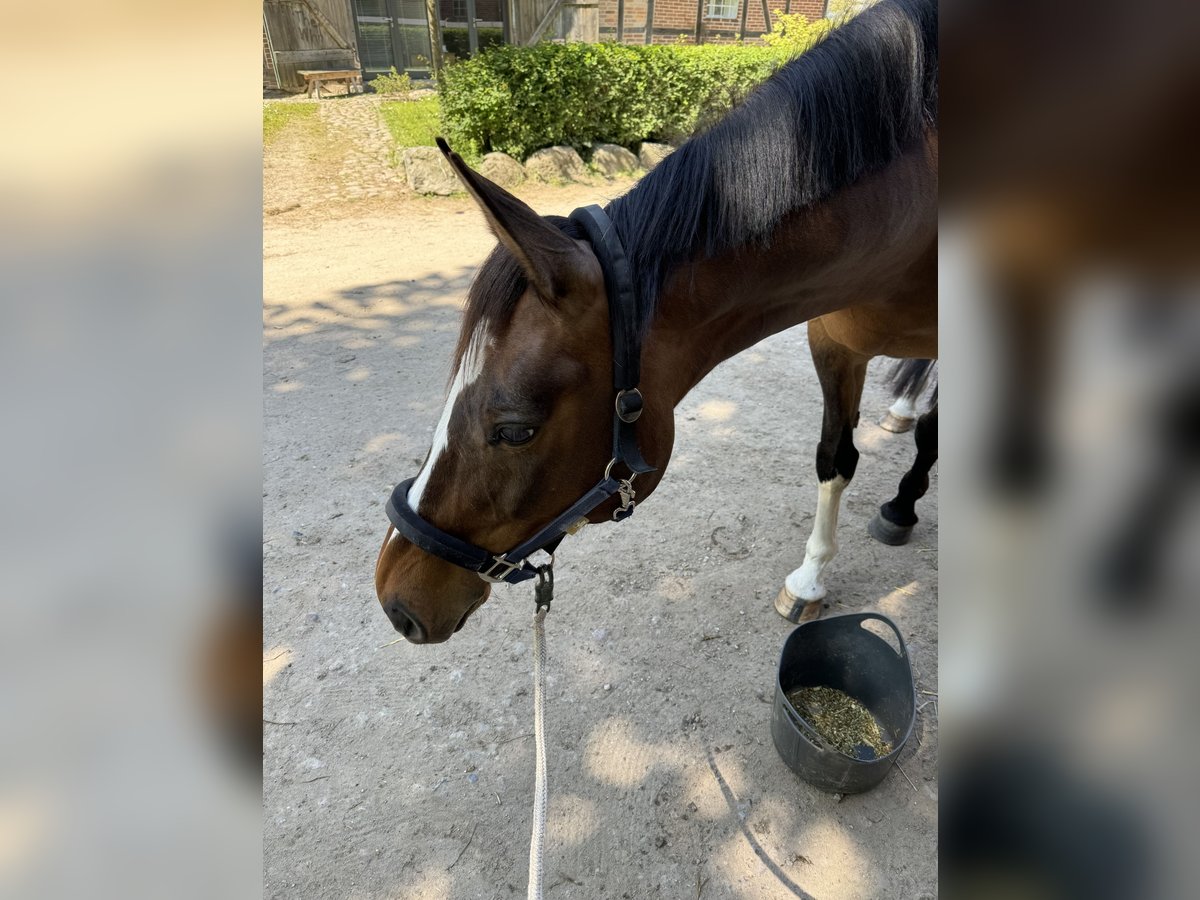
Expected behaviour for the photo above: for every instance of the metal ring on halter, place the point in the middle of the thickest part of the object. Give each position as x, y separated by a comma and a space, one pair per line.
631, 415
608, 472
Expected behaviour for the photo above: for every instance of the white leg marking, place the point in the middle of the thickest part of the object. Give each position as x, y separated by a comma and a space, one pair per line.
903, 408
469, 369
805, 583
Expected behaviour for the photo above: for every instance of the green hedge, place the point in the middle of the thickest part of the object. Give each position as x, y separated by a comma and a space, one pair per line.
521, 99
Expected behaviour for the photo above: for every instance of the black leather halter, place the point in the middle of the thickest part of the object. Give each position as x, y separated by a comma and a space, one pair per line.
514, 566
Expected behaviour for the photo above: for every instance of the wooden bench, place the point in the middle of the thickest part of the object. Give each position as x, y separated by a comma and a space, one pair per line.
314, 78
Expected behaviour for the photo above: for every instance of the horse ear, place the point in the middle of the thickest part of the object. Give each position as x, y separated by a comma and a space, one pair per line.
553, 262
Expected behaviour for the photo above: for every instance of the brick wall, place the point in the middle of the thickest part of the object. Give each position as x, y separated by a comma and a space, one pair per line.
675, 17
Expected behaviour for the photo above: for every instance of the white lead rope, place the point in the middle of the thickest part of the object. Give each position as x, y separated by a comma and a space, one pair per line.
540, 792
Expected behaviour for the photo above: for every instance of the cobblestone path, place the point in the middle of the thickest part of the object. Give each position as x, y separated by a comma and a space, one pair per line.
367, 167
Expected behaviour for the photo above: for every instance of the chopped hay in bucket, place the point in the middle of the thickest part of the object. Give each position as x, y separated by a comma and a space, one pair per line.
840, 720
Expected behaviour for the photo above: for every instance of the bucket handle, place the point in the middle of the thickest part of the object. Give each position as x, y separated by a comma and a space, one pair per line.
865, 616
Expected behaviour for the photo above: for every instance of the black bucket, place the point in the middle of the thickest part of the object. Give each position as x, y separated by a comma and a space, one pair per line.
838, 652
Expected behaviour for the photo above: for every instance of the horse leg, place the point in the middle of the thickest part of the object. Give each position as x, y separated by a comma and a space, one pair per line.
900, 416
895, 520
842, 373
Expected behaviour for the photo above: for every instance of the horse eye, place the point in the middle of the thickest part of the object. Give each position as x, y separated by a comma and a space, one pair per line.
515, 434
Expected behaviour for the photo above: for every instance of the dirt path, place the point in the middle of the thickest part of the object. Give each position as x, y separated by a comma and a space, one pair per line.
400, 771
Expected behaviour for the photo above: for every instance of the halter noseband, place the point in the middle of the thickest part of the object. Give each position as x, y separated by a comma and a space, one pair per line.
514, 566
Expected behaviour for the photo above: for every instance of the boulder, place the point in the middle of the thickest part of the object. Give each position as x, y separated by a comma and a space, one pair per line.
555, 164
502, 169
652, 154
428, 172
613, 159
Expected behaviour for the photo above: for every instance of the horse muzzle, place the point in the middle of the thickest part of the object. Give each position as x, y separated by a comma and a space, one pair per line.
425, 599
405, 622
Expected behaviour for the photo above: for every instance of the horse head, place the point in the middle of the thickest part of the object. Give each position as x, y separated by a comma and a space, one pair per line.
527, 425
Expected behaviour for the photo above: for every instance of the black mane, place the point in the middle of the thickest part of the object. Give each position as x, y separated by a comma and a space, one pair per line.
846, 107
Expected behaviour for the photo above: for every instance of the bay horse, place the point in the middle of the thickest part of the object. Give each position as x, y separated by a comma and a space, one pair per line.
815, 200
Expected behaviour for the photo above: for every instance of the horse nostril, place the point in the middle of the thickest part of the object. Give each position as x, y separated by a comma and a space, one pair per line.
405, 623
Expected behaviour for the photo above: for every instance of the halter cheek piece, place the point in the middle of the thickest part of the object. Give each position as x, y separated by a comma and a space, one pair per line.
514, 566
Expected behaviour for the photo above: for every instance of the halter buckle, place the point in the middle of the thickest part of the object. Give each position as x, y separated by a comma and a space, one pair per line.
506, 568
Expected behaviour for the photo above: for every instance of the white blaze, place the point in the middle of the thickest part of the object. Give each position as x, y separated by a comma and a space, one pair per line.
469, 369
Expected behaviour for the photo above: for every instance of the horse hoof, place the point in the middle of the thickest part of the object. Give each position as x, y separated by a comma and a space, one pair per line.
896, 424
798, 611
887, 533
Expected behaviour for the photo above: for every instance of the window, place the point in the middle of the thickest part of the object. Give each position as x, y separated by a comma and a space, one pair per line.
722, 9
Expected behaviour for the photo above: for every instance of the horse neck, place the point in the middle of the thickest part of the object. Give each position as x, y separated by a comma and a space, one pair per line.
851, 248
